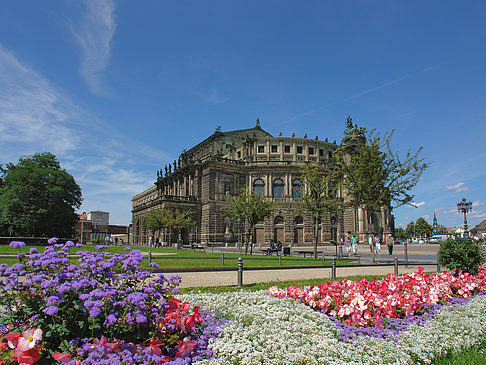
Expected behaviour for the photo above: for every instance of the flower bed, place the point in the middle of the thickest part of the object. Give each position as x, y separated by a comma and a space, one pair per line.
378, 303
268, 330
101, 309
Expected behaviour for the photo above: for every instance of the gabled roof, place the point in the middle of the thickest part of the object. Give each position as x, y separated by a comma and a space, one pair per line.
480, 227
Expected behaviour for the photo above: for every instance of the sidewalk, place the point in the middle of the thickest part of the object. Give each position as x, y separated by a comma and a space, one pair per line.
230, 278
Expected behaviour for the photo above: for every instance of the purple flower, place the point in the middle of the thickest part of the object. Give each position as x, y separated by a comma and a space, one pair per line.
140, 318
53, 299
52, 240
110, 320
69, 244
17, 244
33, 251
51, 310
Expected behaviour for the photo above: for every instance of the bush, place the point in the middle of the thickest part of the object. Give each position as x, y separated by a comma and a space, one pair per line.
461, 254
101, 307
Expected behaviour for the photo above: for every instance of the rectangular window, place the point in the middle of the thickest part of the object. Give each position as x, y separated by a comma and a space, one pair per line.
274, 149
261, 149
287, 149
321, 152
299, 149
311, 150
239, 154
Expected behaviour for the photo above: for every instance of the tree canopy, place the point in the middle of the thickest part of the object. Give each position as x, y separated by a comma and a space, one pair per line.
38, 198
161, 218
375, 176
252, 208
320, 194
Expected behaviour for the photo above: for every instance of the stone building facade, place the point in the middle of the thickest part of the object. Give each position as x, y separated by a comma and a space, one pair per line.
205, 176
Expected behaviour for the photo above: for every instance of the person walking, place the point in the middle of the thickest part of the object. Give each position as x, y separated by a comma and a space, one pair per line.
348, 245
389, 244
354, 242
377, 243
179, 241
370, 241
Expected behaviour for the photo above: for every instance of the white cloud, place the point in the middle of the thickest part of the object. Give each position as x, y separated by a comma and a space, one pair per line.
458, 187
93, 35
477, 203
417, 205
35, 116
215, 97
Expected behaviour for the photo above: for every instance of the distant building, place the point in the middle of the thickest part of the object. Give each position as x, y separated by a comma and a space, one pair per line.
479, 230
205, 176
95, 227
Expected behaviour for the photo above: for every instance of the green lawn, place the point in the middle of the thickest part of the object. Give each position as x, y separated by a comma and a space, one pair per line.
190, 259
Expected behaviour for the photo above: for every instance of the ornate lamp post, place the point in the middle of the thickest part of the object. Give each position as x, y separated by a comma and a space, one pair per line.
464, 207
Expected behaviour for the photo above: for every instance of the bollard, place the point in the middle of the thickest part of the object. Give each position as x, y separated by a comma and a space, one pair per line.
240, 272
323, 259
438, 266
333, 268
150, 257
279, 260
222, 258
396, 265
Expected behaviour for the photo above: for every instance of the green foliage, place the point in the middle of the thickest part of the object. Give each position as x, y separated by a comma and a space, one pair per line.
461, 254
38, 198
252, 208
410, 229
321, 193
400, 234
160, 218
375, 176
422, 228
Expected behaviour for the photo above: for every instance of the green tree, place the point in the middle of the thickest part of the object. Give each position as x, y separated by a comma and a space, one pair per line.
158, 219
320, 194
422, 228
375, 176
252, 208
38, 198
465, 255
400, 234
410, 229
181, 219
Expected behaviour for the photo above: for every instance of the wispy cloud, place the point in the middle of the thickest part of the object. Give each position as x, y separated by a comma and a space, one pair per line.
36, 116
362, 93
417, 205
93, 35
458, 187
215, 97
477, 203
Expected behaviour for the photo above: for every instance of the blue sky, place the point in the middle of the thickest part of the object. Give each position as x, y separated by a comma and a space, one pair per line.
116, 89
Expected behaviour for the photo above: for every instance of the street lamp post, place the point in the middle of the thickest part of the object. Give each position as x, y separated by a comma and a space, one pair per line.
464, 207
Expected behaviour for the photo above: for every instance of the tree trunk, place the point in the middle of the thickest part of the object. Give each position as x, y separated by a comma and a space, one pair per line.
316, 233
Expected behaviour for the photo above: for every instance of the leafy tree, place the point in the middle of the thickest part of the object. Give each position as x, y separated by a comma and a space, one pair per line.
422, 228
38, 198
410, 229
374, 176
320, 194
400, 234
252, 208
461, 254
161, 218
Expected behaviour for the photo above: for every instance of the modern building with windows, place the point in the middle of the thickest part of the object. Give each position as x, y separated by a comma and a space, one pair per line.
205, 176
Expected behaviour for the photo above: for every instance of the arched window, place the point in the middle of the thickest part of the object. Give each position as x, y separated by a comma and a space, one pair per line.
297, 189
278, 189
298, 220
258, 187
278, 220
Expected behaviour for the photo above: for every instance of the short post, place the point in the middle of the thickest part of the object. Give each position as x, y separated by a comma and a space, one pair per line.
240, 272
150, 257
406, 253
222, 258
396, 265
333, 268
438, 266
323, 258
279, 260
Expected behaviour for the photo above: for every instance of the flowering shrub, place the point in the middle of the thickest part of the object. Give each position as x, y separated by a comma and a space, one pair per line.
102, 307
371, 303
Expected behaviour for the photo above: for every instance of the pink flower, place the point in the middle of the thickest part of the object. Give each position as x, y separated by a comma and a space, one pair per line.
185, 348
29, 339
61, 357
